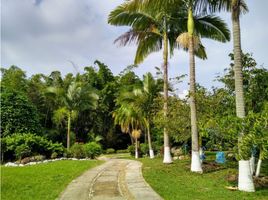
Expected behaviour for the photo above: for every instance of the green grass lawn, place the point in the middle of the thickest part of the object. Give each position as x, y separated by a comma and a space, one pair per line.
43, 181
176, 182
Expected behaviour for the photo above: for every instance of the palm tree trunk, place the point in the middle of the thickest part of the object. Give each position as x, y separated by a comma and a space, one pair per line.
136, 148
195, 162
151, 151
258, 170
167, 155
68, 130
245, 181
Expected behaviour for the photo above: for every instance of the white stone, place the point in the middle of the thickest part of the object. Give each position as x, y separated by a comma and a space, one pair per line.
11, 164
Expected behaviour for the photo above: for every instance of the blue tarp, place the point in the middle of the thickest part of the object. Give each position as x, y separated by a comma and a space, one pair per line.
220, 157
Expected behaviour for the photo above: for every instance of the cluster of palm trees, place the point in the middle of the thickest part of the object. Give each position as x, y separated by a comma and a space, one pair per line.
171, 24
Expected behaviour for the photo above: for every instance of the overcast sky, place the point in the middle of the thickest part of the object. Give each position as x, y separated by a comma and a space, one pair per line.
40, 36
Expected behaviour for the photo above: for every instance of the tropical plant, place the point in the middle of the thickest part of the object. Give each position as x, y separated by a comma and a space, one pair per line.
78, 97
238, 7
151, 30
131, 121
142, 99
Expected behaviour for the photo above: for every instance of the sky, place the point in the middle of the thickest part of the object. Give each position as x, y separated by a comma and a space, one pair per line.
41, 36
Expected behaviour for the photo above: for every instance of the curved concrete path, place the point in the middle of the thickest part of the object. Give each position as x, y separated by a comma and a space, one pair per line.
117, 179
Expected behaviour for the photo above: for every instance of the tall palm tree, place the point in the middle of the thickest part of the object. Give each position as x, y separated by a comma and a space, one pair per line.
198, 25
151, 30
141, 98
236, 8
131, 121
77, 98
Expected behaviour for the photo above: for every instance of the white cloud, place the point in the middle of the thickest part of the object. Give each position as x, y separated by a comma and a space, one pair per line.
42, 35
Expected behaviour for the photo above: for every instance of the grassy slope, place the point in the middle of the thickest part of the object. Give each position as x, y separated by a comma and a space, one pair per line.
43, 181
175, 181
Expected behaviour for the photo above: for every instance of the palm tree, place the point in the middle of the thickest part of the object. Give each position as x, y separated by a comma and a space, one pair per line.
198, 26
152, 31
238, 7
141, 98
131, 121
78, 97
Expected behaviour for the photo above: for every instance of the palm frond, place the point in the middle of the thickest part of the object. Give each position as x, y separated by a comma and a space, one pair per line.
212, 27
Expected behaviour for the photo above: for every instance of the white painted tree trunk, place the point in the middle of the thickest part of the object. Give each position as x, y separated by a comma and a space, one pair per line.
258, 168
252, 164
196, 163
151, 153
136, 149
167, 155
245, 181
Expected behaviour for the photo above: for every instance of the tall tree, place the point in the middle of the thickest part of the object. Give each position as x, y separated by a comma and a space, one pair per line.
238, 7
215, 29
77, 98
152, 30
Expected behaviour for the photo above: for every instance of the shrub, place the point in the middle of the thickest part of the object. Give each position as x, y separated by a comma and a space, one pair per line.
110, 151
131, 149
93, 149
22, 151
54, 155
78, 151
31, 145
144, 149
122, 151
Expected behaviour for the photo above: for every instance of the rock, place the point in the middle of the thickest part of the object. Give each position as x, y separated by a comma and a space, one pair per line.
176, 151
45, 161
21, 165
175, 158
32, 163
74, 159
10, 164
183, 157
25, 160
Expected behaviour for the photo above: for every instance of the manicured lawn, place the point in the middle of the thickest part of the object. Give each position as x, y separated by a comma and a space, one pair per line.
176, 182
43, 181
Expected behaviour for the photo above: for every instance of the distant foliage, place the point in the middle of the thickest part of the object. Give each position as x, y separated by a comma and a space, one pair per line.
89, 150
110, 151
18, 115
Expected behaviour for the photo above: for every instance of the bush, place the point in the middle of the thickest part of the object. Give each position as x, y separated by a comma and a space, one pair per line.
144, 149
78, 151
131, 149
93, 149
28, 144
122, 151
110, 151
22, 151
54, 155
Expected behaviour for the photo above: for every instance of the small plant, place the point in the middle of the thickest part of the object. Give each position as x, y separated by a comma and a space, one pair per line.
92, 149
22, 151
144, 149
54, 155
110, 151
122, 151
78, 151
131, 149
